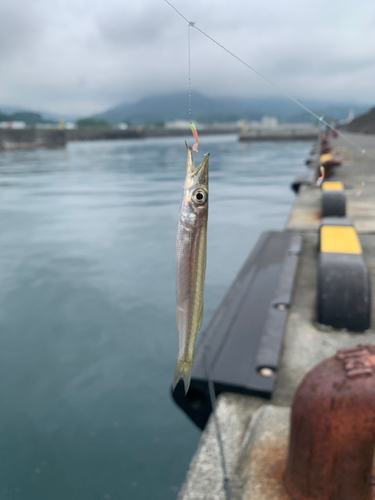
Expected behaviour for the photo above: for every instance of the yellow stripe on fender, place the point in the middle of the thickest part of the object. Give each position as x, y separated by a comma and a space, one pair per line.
339, 239
332, 186
326, 157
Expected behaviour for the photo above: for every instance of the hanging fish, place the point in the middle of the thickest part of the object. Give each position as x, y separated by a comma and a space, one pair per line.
191, 263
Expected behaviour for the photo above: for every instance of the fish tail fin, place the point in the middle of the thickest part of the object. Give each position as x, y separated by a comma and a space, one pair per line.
183, 370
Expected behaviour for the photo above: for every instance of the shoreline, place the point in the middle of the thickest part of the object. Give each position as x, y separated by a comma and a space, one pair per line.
24, 139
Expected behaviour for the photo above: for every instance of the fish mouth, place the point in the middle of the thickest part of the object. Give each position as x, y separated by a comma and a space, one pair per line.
202, 166
197, 175
201, 172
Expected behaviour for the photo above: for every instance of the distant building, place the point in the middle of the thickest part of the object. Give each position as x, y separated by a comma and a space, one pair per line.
269, 122
244, 126
14, 125
70, 126
123, 126
235, 126
178, 124
47, 126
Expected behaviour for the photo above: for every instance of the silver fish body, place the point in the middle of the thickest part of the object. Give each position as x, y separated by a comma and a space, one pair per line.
191, 264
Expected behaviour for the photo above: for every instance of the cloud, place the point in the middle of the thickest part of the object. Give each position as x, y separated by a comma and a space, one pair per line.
18, 29
82, 56
145, 24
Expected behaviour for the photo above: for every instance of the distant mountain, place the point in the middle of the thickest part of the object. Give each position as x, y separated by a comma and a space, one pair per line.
174, 106
168, 107
9, 110
58, 116
21, 116
364, 124
45, 115
161, 108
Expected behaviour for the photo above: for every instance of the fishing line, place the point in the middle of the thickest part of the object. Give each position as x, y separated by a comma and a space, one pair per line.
211, 390
193, 25
193, 128
321, 120
190, 25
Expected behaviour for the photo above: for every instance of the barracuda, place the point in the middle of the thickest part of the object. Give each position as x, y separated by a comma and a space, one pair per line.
191, 264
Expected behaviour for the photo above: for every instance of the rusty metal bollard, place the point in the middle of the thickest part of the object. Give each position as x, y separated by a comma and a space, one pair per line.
332, 440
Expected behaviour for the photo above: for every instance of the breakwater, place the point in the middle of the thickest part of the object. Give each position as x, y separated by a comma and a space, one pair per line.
103, 134
38, 138
280, 133
150, 132
31, 139
141, 133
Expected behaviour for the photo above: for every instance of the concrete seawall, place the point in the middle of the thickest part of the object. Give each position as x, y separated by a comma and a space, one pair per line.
255, 430
140, 133
280, 133
31, 139
11, 139
103, 134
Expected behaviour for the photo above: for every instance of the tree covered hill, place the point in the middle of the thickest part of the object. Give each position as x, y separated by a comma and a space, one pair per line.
209, 109
363, 124
28, 117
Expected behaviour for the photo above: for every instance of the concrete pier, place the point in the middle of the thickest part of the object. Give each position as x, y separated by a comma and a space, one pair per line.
255, 431
284, 132
31, 139
81, 134
141, 133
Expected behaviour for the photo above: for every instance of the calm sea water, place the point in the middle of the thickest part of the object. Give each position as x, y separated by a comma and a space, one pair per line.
87, 306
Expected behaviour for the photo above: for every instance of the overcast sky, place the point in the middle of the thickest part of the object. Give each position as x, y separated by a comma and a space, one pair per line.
84, 56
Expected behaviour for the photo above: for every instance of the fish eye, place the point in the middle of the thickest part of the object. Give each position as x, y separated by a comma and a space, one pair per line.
199, 196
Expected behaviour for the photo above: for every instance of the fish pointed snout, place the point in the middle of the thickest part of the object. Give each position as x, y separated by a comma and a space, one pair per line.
202, 171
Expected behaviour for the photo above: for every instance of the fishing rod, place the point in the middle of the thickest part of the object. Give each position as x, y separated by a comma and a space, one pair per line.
286, 94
